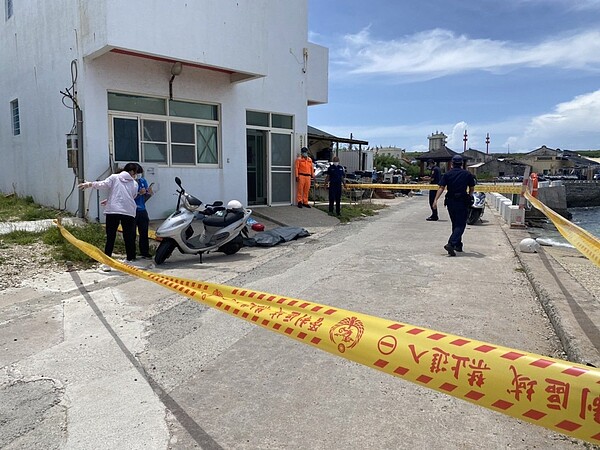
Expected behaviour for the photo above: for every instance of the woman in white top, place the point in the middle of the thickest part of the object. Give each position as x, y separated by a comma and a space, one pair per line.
120, 208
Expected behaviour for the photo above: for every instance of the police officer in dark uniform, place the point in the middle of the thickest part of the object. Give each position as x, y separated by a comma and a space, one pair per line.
457, 180
335, 179
435, 178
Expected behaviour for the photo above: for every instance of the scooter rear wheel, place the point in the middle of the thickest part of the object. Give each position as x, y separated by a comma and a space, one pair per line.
164, 250
232, 246
474, 215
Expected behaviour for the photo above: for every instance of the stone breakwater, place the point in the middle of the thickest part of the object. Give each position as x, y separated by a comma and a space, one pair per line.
582, 193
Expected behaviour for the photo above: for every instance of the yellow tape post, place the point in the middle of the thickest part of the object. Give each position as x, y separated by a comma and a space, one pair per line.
582, 240
500, 188
555, 394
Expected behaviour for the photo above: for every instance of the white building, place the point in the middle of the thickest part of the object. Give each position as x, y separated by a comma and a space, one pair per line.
212, 91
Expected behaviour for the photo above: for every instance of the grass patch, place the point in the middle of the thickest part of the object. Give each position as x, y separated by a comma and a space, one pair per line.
92, 233
14, 208
356, 211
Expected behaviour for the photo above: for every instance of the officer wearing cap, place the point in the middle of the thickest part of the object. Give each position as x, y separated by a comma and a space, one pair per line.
435, 178
456, 181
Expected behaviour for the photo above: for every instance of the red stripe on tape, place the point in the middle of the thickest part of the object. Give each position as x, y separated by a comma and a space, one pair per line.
512, 355
568, 425
380, 363
436, 336
448, 387
459, 342
535, 415
574, 371
502, 404
474, 395
401, 370
415, 331
542, 363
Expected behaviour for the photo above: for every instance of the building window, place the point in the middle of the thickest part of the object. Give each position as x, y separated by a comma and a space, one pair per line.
263, 119
8, 8
158, 131
16, 122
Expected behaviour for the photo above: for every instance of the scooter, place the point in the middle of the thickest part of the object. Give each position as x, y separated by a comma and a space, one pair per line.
215, 228
477, 208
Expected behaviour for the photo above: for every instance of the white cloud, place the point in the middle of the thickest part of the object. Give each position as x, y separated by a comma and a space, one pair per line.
577, 120
438, 52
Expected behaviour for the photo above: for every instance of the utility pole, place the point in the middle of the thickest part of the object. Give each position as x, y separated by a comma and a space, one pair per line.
487, 144
465, 142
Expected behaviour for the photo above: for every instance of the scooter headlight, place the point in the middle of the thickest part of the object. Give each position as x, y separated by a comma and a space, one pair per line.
191, 203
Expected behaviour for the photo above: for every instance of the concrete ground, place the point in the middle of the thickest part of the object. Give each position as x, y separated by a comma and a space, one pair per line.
91, 359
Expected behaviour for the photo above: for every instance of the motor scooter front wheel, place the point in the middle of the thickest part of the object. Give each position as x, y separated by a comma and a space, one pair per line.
164, 250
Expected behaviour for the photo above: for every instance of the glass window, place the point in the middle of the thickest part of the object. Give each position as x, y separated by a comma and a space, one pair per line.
207, 144
126, 139
16, 121
282, 121
182, 133
136, 103
154, 141
183, 143
150, 138
9, 9
281, 191
257, 118
281, 149
193, 110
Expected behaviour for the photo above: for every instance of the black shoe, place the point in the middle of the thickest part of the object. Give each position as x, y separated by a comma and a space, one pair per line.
299, 205
306, 205
458, 248
432, 219
450, 250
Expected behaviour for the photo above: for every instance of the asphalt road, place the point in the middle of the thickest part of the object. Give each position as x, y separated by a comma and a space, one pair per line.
94, 360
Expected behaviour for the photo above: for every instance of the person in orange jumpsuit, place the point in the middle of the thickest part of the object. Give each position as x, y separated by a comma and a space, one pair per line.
304, 172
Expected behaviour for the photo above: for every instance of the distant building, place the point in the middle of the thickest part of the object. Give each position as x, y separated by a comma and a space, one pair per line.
497, 168
476, 156
557, 162
439, 152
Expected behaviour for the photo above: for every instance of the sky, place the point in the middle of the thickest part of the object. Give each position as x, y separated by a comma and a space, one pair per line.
525, 71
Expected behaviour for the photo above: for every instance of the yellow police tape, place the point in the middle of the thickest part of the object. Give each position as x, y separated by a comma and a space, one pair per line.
582, 240
552, 393
500, 188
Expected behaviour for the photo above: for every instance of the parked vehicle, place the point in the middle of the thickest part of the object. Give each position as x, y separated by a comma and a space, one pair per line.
215, 228
477, 208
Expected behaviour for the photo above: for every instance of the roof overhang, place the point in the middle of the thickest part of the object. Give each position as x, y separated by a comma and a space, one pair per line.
319, 135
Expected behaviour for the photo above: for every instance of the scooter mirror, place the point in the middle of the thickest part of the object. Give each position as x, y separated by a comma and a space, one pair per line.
178, 181
218, 203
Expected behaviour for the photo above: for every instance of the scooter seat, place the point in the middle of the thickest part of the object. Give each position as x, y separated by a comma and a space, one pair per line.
224, 220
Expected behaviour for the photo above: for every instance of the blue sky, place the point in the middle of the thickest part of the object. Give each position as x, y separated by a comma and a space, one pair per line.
525, 71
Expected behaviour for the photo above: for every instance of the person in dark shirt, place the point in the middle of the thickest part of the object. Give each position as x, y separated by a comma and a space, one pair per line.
334, 181
435, 178
456, 181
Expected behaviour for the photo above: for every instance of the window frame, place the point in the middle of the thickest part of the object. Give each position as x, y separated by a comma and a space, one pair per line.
168, 119
15, 117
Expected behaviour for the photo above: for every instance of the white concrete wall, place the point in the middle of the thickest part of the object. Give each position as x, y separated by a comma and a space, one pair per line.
262, 36
37, 46
225, 34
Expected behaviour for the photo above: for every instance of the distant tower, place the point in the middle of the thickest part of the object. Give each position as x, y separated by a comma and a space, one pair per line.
487, 144
437, 141
465, 139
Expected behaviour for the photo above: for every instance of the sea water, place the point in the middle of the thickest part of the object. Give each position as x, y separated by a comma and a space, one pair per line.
587, 218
